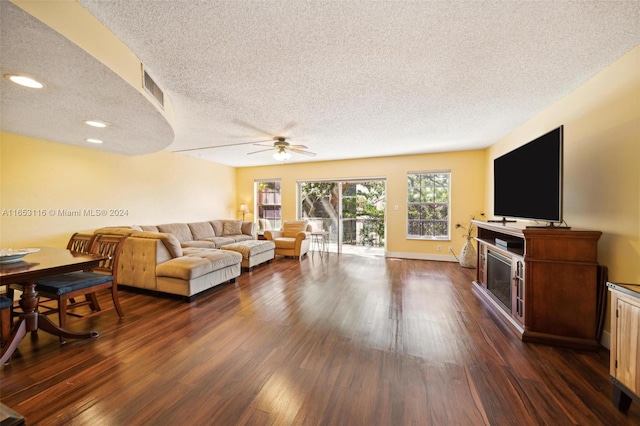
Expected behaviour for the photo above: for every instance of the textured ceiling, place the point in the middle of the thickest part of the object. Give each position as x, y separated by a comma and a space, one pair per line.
77, 88
360, 78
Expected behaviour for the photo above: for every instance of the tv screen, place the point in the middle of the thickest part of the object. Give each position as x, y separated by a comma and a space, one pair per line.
527, 181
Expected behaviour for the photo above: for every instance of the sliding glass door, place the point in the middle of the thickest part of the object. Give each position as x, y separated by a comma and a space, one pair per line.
351, 211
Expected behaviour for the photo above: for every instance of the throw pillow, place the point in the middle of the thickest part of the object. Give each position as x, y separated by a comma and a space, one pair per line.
201, 230
232, 227
217, 227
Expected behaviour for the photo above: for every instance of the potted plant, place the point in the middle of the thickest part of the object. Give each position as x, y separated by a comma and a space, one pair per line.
467, 257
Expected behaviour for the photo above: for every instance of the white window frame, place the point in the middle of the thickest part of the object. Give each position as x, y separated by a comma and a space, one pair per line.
428, 204
275, 222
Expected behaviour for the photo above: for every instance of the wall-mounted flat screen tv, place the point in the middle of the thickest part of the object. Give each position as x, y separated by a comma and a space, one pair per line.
527, 181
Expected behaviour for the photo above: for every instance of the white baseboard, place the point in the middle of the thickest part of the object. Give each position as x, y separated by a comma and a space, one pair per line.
420, 256
605, 340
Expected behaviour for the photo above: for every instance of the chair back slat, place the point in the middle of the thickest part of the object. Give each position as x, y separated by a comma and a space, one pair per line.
80, 243
109, 246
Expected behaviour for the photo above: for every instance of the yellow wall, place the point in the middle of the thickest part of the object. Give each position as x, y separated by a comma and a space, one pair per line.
601, 161
467, 191
158, 188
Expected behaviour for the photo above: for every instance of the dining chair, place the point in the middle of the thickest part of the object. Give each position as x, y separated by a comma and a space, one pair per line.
81, 243
78, 243
86, 283
5, 319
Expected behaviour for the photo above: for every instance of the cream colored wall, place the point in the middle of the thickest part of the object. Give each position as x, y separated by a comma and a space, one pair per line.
601, 161
50, 177
467, 191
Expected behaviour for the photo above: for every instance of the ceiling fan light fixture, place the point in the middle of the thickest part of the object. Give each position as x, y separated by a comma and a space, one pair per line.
282, 155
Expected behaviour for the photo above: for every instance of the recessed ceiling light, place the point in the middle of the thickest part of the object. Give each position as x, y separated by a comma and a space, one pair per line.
96, 123
24, 81
93, 140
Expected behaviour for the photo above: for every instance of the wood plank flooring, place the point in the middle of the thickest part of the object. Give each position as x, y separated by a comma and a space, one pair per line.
342, 340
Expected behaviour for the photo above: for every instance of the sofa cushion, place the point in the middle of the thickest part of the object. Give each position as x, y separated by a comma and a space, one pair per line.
241, 237
200, 243
180, 230
250, 248
291, 228
220, 241
248, 228
217, 227
197, 262
232, 227
150, 228
285, 243
169, 240
201, 230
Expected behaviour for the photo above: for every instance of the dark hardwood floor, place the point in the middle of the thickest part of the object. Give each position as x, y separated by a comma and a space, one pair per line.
343, 340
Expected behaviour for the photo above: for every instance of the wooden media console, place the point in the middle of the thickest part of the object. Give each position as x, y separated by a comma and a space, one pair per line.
544, 283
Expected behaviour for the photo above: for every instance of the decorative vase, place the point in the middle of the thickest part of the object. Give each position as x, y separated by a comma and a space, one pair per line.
468, 255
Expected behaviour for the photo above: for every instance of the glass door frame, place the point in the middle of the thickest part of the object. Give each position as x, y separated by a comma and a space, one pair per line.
338, 221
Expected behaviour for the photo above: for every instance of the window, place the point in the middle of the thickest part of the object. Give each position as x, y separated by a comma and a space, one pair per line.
268, 205
428, 205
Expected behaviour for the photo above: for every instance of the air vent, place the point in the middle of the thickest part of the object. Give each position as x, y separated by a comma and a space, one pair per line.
152, 88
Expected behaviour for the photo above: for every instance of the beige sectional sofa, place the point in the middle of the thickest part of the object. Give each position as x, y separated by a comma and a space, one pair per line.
183, 262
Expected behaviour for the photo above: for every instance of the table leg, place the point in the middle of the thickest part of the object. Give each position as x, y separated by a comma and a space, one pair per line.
45, 324
19, 331
32, 320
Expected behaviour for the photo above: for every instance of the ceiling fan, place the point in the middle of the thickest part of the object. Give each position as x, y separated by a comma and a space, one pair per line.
283, 149
280, 145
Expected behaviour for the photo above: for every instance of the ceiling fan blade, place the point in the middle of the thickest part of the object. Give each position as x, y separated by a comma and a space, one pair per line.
288, 127
221, 146
299, 151
263, 143
262, 150
298, 146
252, 127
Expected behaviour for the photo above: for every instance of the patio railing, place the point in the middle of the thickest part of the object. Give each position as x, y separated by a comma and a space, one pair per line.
355, 231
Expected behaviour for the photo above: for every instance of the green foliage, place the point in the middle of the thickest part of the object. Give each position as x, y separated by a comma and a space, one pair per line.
428, 207
312, 195
363, 202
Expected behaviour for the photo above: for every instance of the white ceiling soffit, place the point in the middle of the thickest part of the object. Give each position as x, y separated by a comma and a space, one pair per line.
77, 87
349, 79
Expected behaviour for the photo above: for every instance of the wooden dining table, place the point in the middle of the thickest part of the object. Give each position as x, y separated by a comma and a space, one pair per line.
22, 275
